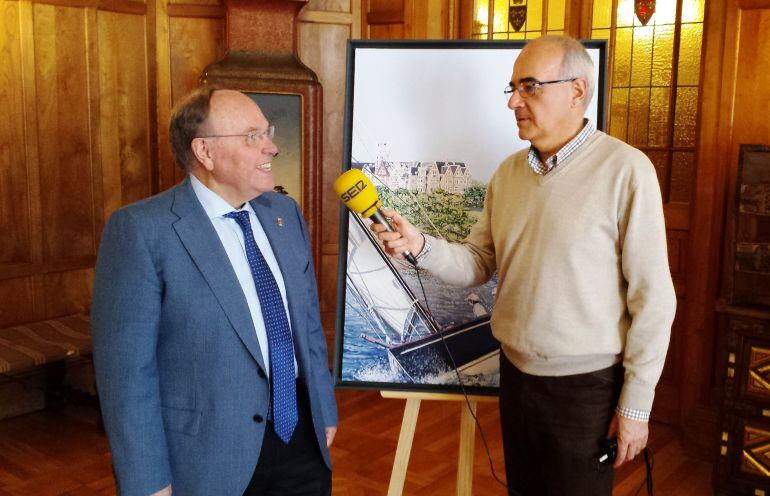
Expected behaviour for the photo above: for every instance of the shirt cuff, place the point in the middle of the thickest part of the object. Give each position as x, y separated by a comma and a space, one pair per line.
426, 247
630, 413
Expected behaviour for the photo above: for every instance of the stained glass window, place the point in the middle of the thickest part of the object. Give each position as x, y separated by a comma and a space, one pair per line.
517, 19
655, 77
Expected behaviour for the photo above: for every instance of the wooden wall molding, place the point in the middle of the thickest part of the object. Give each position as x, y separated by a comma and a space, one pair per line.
753, 4
31, 138
325, 17
164, 97
123, 6
385, 17
15, 271
191, 10
120, 6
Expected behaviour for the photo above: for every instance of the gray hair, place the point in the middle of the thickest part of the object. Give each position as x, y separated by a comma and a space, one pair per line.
576, 62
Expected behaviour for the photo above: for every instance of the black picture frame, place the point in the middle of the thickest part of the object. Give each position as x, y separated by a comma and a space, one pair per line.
377, 377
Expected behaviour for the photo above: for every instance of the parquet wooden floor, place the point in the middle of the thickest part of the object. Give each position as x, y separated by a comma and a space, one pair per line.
63, 454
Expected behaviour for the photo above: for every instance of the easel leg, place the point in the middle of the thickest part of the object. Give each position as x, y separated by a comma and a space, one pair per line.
404, 449
465, 457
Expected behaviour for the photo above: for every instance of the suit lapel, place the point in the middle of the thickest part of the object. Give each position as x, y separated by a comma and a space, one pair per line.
201, 241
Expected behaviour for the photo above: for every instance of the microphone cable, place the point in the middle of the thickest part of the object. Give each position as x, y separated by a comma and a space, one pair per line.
462, 388
649, 463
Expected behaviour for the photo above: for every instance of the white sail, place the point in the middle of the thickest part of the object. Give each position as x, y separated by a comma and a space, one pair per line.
374, 282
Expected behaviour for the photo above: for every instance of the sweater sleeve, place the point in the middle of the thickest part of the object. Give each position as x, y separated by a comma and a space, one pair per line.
471, 262
650, 295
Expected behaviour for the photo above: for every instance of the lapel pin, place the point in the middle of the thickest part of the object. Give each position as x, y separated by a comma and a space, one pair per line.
280, 222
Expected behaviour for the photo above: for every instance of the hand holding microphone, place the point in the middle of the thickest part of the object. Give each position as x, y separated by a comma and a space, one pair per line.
400, 237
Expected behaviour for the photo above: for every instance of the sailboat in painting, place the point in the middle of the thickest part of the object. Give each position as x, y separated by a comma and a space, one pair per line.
397, 321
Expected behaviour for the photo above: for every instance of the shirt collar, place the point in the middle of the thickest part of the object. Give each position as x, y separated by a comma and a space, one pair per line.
214, 205
542, 168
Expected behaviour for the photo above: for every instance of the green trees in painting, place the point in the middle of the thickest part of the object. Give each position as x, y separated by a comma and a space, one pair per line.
438, 213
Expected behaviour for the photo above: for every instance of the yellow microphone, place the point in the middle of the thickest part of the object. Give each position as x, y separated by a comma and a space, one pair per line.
359, 194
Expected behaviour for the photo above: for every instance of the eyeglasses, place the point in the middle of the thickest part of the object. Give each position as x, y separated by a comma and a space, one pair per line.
527, 89
252, 138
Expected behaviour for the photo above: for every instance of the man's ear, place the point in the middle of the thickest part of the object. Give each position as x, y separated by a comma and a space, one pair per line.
202, 152
579, 87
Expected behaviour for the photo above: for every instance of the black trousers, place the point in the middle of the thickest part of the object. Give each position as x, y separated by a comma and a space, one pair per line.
554, 429
294, 469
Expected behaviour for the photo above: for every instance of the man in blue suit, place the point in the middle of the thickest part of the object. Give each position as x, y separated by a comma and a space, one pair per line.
211, 362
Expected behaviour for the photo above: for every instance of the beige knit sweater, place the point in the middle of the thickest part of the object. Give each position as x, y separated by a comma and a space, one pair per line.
584, 280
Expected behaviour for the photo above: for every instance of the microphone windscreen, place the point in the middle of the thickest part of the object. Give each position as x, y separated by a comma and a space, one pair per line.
357, 192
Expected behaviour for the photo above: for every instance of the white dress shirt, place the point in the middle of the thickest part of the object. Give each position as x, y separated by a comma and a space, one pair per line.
231, 236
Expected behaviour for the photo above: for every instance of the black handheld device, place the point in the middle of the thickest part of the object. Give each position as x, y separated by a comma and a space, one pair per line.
608, 453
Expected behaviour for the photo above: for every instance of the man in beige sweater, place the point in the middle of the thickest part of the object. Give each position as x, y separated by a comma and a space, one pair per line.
574, 226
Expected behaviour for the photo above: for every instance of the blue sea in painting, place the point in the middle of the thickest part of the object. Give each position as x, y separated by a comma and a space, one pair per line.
364, 361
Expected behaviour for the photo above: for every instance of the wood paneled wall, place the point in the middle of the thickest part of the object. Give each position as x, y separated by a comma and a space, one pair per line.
84, 84
411, 19
90, 85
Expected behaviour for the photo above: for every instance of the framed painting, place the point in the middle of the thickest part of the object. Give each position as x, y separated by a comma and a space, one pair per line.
428, 123
284, 111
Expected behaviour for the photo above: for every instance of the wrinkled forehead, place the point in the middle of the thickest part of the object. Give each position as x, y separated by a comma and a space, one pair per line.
537, 63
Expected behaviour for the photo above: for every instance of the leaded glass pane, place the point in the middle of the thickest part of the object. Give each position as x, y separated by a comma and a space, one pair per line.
638, 116
682, 174
660, 160
534, 16
690, 42
625, 13
665, 12
659, 124
692, 10
481, 18
685, 116
556, 13
662, 55
622, 71
619, 113
642, 56
602, 16
500, 23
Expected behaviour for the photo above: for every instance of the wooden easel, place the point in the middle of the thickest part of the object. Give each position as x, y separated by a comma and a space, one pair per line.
408, 425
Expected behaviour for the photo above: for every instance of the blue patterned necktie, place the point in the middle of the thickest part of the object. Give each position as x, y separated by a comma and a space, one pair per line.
281, 347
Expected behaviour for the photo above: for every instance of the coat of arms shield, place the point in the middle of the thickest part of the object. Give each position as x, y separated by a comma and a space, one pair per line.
517, 15
644, 10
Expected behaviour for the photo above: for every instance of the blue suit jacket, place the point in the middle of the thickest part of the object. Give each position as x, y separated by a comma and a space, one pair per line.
178, 365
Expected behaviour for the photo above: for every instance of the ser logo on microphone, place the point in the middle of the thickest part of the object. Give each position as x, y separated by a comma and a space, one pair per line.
354, 190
